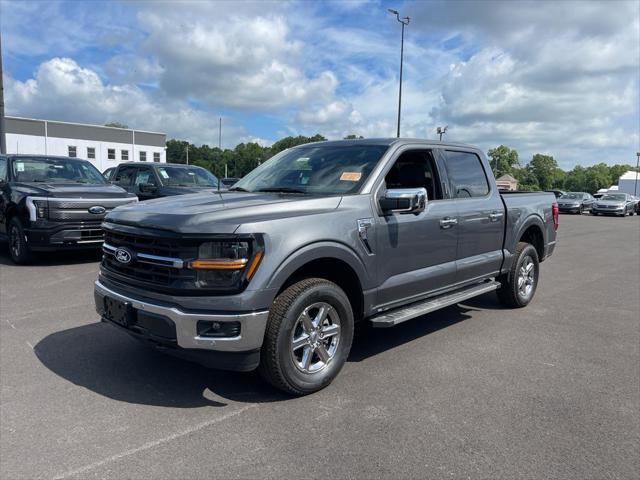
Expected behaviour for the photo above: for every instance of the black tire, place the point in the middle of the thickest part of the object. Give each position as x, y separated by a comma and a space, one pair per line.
581, 211
509, 292
279, 364
594, 213
18, 247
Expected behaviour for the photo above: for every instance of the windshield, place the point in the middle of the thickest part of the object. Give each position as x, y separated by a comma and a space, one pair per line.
322, 170
572, 196
55, 170
187, 177
615, 197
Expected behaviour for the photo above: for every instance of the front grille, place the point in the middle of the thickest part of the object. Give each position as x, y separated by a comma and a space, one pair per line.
148, 272
77, 210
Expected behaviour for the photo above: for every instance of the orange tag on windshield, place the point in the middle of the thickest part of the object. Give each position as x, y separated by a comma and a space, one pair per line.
350, 176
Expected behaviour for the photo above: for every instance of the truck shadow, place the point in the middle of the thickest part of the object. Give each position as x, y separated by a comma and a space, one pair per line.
106, 361
55, 258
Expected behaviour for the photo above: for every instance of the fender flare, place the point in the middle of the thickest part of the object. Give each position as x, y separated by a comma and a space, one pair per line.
532, 220
316, 251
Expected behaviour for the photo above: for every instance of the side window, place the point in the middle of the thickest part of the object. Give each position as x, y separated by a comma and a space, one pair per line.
72, 151
3, 168
145, 175
124, 176
143, 156
111, 153
91, 152
415, 169
156, 157
466, 175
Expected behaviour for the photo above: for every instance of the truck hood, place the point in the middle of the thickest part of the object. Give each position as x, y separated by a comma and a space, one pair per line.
70, 190
217, 212
176, 190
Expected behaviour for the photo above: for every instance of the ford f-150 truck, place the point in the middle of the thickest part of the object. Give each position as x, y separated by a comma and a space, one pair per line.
274, 273
52, 203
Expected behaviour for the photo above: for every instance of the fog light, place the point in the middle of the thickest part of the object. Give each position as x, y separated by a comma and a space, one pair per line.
211, 329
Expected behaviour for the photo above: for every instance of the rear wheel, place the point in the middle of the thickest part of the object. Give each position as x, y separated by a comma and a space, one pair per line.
308, 337
18, 247
519, 285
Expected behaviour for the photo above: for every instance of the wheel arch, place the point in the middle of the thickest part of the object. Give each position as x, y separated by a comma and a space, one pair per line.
332, 261
533, 232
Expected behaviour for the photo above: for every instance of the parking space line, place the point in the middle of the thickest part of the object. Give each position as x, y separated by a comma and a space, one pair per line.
152, 444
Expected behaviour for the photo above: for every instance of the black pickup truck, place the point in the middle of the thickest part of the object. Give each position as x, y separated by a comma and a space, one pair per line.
156, 180
49, 203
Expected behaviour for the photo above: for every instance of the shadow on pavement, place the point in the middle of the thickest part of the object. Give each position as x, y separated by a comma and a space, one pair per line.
110, 363
54, 258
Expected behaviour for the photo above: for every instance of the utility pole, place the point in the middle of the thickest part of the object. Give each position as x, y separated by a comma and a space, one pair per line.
220, 135
635, 187
187, 153
3, 136
404, 21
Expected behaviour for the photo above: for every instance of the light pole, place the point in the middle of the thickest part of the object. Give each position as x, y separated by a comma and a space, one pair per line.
3, 138
404, 21
441, 131
635, 187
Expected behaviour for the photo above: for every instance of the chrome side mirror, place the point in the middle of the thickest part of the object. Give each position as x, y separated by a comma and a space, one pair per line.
404, 200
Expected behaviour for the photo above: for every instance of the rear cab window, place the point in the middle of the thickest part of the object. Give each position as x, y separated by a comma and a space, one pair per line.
466, 173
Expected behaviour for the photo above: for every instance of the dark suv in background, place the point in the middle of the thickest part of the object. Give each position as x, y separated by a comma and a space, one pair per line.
149, 181
49, 203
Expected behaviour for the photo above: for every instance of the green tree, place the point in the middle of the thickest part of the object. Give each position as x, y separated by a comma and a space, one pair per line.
289, 142
353, 137
527, 181
545, 169
503, 160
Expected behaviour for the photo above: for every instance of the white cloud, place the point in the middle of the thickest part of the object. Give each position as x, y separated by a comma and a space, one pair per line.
63, 90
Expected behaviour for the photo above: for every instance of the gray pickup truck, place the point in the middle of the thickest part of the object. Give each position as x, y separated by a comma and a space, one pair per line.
274, 273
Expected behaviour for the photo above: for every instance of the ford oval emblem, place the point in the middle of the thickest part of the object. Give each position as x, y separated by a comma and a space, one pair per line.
97, 210
123, 256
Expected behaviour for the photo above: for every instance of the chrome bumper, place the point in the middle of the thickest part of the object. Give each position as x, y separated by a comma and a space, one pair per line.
252, 325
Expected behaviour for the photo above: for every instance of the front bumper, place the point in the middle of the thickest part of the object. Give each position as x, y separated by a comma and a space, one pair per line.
64, 235
569, 209
610, 211
186, 338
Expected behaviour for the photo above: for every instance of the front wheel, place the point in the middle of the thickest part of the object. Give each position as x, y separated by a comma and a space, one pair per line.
18, 247
308, 337
519, 285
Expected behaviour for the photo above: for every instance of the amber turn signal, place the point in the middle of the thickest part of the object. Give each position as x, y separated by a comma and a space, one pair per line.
221, 264
254, 264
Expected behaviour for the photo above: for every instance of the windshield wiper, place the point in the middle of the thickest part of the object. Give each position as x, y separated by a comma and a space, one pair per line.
281, 189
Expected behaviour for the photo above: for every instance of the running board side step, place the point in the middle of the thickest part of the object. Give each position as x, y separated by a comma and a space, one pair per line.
402, 314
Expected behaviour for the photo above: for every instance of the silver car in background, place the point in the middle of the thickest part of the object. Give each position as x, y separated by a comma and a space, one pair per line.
619, 204
575, 202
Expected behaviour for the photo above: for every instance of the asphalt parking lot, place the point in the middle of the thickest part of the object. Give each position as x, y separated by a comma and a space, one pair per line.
473, 391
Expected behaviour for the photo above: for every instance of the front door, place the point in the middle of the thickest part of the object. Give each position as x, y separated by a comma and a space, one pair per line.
481, 216
416, 252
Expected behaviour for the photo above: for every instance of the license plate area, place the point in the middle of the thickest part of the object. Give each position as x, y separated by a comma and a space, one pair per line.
118, 312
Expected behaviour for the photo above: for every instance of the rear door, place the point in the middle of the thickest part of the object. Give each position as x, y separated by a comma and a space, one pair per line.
416, 252
481, 215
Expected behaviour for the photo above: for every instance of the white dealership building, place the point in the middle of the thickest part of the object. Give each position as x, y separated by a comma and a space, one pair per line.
103, 146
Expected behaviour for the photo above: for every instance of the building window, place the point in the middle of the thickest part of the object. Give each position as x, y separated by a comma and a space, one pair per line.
72, 151
111, 153
156, 157
143, 156
91, 152
124, 155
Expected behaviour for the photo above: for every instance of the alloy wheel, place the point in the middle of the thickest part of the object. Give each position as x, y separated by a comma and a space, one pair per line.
526, 277
315, 337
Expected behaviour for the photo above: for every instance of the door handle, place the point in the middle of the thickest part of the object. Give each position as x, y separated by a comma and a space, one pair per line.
448, 222
494, 216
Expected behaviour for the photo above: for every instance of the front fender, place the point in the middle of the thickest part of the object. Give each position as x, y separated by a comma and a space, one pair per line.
316, 251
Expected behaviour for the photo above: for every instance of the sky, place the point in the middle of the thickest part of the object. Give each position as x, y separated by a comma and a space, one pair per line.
560, 78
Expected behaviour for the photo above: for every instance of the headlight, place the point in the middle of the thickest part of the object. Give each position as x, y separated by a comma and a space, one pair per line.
38, 209
226, 265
